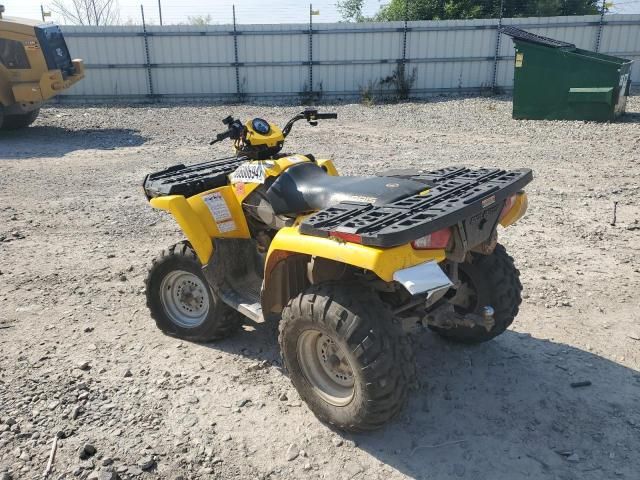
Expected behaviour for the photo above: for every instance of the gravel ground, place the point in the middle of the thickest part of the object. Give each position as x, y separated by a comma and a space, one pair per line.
80, 357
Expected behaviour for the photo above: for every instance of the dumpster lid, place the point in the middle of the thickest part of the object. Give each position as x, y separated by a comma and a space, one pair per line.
533, 38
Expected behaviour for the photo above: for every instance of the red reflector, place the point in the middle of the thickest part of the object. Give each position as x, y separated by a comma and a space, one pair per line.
347, 237
508, 205
439, 239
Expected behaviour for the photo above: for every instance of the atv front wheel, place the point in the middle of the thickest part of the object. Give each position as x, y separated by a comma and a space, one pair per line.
348, 360
489, 280
181, 301
14, 122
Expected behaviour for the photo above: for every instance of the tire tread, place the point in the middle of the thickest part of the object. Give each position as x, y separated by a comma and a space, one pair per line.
364, 322
227, 320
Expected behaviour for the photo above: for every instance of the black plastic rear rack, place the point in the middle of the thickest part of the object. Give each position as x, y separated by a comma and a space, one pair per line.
455, 195
525, 36
191, 180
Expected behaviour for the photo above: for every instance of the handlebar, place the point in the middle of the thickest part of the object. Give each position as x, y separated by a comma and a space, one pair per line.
235, 129
220, 137
326, 116
311, 115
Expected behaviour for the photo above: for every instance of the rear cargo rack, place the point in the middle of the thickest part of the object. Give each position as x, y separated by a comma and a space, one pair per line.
188, 181
525, 36
456, 194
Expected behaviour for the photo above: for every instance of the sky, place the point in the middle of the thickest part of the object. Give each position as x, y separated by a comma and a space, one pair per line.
175, 11
247, 11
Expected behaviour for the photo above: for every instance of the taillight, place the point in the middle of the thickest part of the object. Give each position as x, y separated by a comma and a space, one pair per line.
347, 237
508, 205
439, 239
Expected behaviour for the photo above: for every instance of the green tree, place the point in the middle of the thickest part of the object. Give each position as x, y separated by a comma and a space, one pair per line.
351, 10
396, 10
200, 20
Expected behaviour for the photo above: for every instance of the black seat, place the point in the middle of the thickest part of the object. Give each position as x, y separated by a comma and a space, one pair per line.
307, 187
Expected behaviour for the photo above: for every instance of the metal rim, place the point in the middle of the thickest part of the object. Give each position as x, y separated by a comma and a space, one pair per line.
326, 366
185, 298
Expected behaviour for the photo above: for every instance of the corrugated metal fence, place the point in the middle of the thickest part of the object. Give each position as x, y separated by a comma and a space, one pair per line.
340, 59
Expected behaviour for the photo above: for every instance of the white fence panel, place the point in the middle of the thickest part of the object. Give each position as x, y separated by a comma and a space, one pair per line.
338, 59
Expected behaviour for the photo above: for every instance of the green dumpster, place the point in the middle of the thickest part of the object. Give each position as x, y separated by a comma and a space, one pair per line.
555, 80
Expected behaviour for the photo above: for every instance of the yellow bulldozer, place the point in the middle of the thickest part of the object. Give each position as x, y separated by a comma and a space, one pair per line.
35, 65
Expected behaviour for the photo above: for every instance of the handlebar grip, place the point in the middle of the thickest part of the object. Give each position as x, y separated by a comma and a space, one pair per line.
220, 137
326, 116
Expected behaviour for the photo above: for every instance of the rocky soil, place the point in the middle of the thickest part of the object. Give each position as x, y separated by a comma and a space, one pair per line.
81, 360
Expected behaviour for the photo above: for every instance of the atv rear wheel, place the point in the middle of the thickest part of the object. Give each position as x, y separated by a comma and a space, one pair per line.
349, 362
489, 280
14, 122
181, 301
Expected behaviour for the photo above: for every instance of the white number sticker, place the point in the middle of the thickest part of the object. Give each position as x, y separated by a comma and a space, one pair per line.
250, 172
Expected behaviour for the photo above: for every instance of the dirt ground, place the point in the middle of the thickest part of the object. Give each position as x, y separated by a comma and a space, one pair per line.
80, 356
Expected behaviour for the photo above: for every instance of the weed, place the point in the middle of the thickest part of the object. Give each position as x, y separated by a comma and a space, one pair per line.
368, 93
400, 82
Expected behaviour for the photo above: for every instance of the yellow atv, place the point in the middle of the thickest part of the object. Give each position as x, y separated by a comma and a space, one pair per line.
349, 265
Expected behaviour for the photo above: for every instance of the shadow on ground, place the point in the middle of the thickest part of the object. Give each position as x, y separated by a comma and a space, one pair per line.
47, 141
502, 410
630, 117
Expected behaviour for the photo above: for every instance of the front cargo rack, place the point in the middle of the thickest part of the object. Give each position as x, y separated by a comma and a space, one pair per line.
191, 180
456, 195
525, 36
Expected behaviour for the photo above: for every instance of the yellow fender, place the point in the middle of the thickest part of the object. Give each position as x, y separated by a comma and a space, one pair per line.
329, 167
194, 217
189, 222
384, 262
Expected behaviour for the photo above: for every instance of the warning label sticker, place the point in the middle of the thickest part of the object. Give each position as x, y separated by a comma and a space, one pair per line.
228, 226
218, 207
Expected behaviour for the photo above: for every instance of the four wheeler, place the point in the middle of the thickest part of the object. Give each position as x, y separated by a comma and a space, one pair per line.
350, 265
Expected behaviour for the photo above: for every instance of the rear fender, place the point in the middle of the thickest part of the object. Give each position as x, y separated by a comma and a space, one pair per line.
212, 214
290, 250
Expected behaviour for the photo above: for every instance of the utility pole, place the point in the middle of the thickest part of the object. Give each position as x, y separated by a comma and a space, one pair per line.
146, 50
600, 25
404, 34
235, 55
312, 12
311, 48
160, 11
494, 77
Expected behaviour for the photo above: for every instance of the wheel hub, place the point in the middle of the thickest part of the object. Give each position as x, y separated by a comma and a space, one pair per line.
333, 363
185, 299
326, 367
